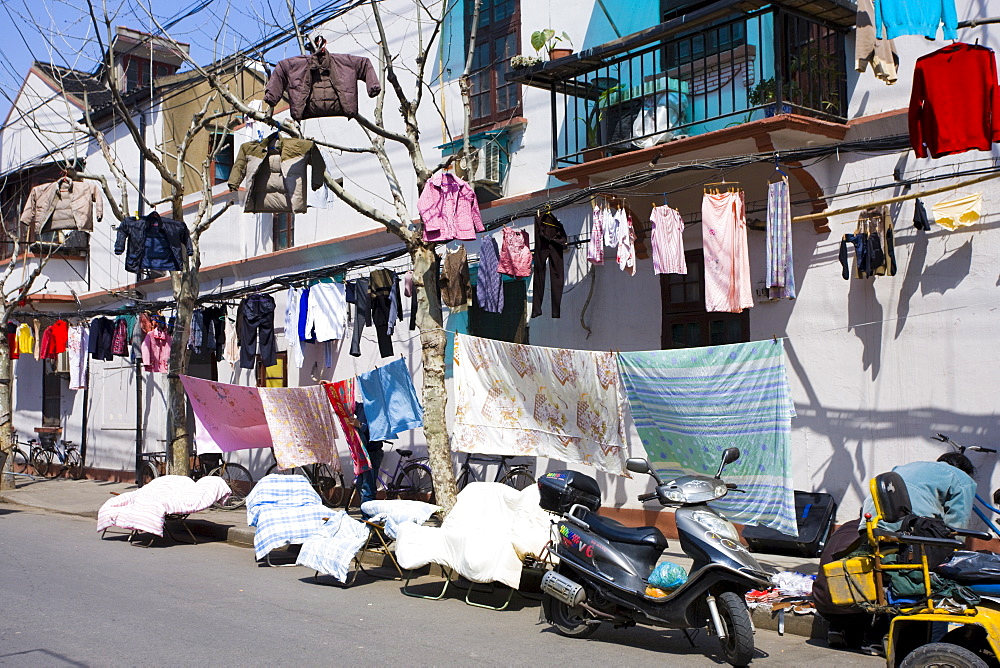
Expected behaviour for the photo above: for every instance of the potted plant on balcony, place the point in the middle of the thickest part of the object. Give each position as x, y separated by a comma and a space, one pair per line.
547, 39
593, 120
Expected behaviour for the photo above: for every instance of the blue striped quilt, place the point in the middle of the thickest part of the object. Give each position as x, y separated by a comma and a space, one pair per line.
689, 405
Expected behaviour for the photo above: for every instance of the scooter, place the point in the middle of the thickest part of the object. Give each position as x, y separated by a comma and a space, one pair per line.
603, 565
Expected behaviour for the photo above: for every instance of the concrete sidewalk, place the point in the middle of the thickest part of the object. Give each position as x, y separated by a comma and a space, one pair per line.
85, 497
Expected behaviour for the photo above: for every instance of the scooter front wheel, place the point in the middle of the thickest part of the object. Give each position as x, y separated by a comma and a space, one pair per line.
737, 646
568, 621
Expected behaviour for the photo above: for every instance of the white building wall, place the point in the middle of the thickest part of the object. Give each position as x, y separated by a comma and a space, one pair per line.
875, 366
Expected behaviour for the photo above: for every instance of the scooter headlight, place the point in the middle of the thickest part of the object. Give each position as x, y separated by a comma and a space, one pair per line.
715, 524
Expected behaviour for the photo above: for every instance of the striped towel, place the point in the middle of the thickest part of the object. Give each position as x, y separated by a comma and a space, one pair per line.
145, 508
332, 547
689, 405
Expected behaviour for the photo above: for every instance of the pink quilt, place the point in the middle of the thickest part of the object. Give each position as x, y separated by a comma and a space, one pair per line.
232, 414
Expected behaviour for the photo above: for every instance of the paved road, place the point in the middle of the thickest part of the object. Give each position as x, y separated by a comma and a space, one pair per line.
68, 598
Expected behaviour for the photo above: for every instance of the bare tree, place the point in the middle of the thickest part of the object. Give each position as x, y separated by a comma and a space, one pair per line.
407, 83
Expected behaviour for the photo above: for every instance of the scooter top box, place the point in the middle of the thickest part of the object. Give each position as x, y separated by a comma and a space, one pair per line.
559, 490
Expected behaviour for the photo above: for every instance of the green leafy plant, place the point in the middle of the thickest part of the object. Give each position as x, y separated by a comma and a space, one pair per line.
593, 119
547, 39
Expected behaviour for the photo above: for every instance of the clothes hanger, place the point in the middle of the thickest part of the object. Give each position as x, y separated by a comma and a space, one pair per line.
777, 169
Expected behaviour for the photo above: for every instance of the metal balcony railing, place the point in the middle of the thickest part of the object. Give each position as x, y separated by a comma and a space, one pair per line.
694, 80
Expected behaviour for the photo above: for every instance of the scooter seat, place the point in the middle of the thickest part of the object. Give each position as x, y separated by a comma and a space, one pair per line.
606, 527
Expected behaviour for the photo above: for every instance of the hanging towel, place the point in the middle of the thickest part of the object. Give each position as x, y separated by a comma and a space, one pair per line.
626, 242
780, 274
302, 427
727, 261
515, 399
390, 401
232, 414
690, 405
341, 395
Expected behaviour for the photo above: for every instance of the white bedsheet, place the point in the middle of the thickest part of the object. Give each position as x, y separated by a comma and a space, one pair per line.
145, 508
485, 537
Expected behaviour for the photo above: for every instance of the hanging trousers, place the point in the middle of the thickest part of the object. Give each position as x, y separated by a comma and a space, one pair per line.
550, 242
362, 314
382, 281
255, 325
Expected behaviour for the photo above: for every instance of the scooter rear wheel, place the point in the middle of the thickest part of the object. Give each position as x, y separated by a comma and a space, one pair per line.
737, 646
568, 621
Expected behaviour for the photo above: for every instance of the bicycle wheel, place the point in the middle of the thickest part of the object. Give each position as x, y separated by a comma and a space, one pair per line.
41, 461
148, 473
18, 461
518, 479
240, 483
330, 485
74, 465
415, 484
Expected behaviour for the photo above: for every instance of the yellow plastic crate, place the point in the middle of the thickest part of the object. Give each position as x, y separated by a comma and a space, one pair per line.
851, 581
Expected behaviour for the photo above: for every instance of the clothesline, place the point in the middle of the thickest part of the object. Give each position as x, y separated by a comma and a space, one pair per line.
892, 200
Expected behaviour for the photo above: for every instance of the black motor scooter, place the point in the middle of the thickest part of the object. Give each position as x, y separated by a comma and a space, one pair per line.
603, 565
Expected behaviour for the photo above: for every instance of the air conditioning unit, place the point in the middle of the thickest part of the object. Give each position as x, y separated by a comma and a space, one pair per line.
61, 363
482, 167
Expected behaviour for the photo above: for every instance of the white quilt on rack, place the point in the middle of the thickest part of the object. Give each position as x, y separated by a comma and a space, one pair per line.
485, 537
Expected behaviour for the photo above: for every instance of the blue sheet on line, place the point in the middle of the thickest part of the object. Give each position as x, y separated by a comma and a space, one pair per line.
390, 401
689, 405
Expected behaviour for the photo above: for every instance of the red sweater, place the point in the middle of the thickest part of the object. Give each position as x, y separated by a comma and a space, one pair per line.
955, 102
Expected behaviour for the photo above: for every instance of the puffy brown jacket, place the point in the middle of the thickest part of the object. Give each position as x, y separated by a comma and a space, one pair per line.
323, 84
276, 179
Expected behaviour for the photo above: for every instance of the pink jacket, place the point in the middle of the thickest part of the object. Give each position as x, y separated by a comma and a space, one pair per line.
156, 351
448, 209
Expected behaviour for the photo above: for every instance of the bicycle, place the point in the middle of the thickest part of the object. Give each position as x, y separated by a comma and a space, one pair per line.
517, 476
410, 480
19, 461
68, 460
237, 477
329, 484
980, 501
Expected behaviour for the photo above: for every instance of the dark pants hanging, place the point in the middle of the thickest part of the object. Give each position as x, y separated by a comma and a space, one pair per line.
550, 242
255, 324
362, 314
381, 297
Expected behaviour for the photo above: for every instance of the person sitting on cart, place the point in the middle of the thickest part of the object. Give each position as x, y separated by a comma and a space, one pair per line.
943, 489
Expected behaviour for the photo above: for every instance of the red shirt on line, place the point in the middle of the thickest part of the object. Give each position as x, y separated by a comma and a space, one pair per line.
955, 101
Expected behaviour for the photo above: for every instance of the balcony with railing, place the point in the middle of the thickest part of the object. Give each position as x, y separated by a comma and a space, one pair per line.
730, 64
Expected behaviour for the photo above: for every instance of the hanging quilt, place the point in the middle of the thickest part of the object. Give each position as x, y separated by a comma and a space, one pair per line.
302, 426
689, 405
232, 415
515, 399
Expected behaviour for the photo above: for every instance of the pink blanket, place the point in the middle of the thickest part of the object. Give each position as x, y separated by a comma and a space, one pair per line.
145, 508
232, 414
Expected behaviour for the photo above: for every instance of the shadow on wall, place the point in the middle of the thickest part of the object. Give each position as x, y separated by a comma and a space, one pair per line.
849, 431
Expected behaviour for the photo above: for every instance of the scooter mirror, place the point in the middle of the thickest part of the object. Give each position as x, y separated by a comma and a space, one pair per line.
729, 455
637, 465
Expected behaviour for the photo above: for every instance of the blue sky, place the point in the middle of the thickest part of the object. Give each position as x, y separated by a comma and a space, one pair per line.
62, 32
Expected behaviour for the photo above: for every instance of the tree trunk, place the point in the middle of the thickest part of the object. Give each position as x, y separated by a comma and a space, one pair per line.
6, 412
433, 341
186, 288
